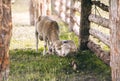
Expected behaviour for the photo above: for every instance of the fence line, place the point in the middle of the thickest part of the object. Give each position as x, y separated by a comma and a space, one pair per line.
77, 14
67, 10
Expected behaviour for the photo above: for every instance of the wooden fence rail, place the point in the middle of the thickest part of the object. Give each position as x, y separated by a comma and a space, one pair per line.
103, 55
101, 36
101, 5
99, 20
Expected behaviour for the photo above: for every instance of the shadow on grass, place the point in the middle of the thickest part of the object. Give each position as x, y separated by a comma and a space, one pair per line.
27, 65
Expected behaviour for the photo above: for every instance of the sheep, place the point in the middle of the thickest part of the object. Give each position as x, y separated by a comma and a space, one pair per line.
64, 48
46, 30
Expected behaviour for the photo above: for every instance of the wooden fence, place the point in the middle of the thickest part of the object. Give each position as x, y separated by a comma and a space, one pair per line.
67, 10
100, 34
75, 13
37, 8
78, 15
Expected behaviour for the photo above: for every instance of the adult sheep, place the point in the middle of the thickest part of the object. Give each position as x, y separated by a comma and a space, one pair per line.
46, 30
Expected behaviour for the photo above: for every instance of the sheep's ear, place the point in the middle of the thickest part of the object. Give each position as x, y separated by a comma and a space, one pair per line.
39, 18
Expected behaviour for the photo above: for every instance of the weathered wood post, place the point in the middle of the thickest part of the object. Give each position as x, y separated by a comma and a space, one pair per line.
31, 11
5, 36
48, 11
36, 10
72, 14
115, 39
84, 23
46, 7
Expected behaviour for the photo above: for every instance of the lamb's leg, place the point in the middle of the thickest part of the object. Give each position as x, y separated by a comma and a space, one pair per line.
36, 35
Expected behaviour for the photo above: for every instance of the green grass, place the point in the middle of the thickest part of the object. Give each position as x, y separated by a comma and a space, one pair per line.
27, 65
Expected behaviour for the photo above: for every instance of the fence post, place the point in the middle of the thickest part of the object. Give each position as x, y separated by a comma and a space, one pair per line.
36, 10
48, 11
5, 36
31, 11
115, 39
84, 24
72, 14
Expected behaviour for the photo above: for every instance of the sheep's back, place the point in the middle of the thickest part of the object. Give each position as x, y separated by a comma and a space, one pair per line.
51, 30
48, 28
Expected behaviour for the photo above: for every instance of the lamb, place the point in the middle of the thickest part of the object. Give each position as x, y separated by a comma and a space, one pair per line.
65, 47
46, 30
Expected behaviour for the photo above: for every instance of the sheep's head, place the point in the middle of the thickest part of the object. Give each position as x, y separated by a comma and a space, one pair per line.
64, 48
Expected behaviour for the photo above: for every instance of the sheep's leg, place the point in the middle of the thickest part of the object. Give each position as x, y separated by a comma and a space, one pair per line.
36, 35
53, 48
45, 47
49, 47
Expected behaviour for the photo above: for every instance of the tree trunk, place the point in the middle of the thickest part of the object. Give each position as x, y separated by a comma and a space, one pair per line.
5, 35
115, 39
84, 23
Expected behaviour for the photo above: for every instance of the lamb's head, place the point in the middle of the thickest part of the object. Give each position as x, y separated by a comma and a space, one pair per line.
64, 48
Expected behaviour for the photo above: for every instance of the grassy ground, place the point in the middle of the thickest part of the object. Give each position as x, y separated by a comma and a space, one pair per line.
27, 65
